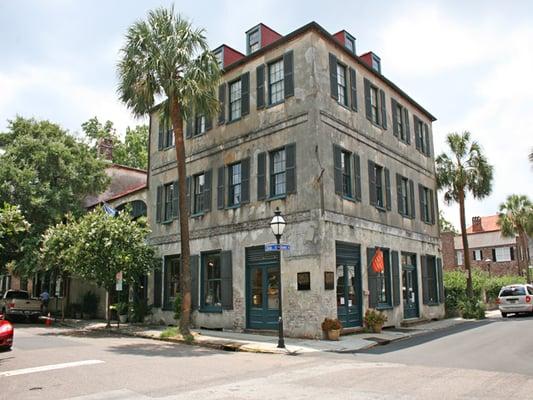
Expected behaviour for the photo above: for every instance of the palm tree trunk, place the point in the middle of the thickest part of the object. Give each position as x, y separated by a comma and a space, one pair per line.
466, 251
177, 125
525, 262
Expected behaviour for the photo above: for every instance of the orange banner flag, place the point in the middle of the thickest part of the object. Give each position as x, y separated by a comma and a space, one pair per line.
378, 265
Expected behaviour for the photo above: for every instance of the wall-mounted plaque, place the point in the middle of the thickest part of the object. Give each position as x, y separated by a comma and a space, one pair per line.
304, 280
329, 280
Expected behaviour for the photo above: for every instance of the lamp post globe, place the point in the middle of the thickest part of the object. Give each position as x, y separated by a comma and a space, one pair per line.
278, 226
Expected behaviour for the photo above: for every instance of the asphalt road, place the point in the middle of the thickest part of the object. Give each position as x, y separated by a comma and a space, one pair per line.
490, 359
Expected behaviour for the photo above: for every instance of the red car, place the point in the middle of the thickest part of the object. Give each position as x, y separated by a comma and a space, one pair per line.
6, 334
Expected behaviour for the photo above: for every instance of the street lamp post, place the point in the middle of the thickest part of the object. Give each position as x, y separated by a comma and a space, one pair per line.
278, 226
488, 261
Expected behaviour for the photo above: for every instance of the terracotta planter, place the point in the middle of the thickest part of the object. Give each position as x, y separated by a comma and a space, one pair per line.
376, 328
334, 334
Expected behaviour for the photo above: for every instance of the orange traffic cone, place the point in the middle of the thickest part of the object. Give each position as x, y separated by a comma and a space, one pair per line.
48, 320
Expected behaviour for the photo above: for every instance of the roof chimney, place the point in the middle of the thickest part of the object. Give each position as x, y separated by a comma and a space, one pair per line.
372, 60
104, 148
476, 224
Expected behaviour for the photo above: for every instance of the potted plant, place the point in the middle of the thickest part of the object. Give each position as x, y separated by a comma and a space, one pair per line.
332, 327
374, 320
122, 310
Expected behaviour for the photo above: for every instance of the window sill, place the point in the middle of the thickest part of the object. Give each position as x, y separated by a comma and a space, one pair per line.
233, 207
275, 104
384, 307
380, 208
234, 120
212, 310
278, 197
433, 304
199, 214
349, 198
167, 222
376, 125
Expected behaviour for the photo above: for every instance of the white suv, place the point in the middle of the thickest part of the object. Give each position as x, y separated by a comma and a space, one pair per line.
515, 299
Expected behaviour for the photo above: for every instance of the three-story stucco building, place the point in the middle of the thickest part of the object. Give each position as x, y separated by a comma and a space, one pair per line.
308, 126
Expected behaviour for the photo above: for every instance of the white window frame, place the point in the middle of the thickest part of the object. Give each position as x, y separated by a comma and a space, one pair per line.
459, 257
503, 254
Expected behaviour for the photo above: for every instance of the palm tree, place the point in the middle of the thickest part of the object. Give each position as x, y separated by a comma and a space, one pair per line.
166, 59
465, 170
516, 218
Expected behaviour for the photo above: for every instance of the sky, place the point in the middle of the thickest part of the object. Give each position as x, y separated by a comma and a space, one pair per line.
469, 63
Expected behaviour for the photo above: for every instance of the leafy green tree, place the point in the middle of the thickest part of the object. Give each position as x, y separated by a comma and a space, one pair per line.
445, 225
515, 218
13, 228
47, 173
165, 57
97, 246
132, 152
464, 170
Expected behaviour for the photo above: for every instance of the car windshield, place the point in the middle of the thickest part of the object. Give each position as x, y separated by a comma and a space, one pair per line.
15, 294
513, 291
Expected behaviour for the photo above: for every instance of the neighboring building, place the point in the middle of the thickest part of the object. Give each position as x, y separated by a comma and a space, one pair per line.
307, 126
489, 250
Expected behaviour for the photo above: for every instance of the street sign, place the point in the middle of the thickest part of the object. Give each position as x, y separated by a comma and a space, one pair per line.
277, 247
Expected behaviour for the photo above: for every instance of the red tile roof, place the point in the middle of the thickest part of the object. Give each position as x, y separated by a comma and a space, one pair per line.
488, 224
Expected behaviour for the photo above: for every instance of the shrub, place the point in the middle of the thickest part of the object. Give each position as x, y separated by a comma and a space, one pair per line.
122, 308
169, 332
496, 283
139, 310
472, 309
374, 317
331, 324
89, 304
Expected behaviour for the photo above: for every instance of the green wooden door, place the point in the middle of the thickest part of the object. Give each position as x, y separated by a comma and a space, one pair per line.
262, 285
349, 289
409, 286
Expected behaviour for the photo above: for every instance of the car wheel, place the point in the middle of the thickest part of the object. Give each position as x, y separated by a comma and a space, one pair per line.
504, 315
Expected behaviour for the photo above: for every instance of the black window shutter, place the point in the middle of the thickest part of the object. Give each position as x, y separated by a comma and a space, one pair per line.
226, 280
245, 180
394, 105
440, 281
160, 145
406, 128
396, 278
208, 123
388, 199
511, 249
368, 108
188, 191
245, 94
493, 254
261, 176
372, 182
290, 167
189, 128
425, 282
417, 132
412, 198
220, 187
158, 203
353, 88
431, 207
157, 286
194, 281
357, 176
207, 190
288, 70
260, 74
333, 76
399, 194
421, 201
337, 177
427, 150
372, 279
383, 109
222, 101
175, 200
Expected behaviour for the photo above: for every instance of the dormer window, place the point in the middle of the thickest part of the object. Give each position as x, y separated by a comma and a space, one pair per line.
254, 41
349, 42
376, 63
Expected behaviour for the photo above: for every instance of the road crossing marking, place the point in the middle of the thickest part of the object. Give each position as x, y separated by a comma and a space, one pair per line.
51, 367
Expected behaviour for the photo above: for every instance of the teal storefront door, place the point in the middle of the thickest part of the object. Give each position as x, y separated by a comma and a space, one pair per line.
348, 277
409, 286
262, 284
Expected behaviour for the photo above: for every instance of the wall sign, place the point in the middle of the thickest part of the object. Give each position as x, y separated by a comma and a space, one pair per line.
329, 280
304, 280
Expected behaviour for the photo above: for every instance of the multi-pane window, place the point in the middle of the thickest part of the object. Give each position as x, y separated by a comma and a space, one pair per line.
234, 191
477, 255
199, 184
346, 174
277, 173
275, 79
379, 186
425, 202
199, 126
403, 193
350, 44
374, 107
341, 85
166, 134
235, 100
503, 254
169, 194
432, 280
171, 281
459, 257
422, 136
212, 284
253, 41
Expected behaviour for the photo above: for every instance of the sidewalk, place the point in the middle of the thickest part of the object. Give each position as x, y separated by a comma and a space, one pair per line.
236, 341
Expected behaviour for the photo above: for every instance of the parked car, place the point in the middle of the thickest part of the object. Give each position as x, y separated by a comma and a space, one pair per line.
515, 299
6, 333
18, 303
